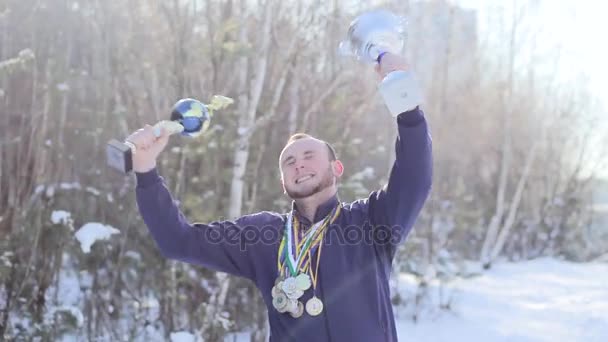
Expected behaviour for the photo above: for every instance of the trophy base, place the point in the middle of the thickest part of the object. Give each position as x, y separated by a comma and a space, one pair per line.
119, 156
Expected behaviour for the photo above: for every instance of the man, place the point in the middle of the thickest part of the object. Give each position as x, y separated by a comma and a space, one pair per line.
325, 277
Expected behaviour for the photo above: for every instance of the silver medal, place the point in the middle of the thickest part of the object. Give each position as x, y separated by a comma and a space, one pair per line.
289, 285
276, 290
298, 312
292, 305
303, 281
314, 306
296, 294
280, 303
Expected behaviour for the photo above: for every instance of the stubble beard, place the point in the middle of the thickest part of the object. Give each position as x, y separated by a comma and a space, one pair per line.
326, 182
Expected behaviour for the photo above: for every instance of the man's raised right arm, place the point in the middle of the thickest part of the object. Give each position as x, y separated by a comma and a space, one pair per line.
223, 246
217, 245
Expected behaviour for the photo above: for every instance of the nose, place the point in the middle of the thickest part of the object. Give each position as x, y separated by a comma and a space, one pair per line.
299, 167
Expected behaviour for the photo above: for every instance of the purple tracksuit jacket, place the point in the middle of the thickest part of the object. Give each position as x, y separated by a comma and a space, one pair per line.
357, 251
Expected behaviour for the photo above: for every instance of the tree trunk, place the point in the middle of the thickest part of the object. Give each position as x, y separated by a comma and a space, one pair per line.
507, 106
506, 229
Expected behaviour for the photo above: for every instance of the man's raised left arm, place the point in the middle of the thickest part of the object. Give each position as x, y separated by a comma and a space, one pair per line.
393, 209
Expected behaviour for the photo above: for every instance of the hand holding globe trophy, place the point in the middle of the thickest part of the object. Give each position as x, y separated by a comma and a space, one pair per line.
189, 117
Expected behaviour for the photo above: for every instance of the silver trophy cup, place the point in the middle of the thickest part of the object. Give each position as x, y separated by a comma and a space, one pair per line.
373, 33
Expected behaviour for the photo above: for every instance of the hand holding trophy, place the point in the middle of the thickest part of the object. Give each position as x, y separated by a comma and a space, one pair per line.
138, 152
373, 35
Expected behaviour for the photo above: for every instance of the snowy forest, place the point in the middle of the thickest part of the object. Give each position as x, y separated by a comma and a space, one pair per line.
516, 153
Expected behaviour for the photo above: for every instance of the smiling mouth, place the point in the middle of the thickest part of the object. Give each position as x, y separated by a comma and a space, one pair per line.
304, 179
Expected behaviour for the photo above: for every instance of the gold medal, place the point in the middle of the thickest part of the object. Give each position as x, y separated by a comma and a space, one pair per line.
298, 312
280, 303
314, 306
303, 281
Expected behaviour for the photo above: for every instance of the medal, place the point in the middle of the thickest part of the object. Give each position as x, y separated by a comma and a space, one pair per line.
303, 281
280, 303
314, 306
294, 261
295, 294
298, 312
292, 305
276, 291
289, 285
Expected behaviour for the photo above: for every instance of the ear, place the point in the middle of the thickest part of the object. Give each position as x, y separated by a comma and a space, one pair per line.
283, 185
338, 168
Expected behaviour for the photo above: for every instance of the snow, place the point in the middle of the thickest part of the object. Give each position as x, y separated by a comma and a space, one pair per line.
182, 336
133, 255
52, 188
92, 191
60, 217
149, 303
244, 336
70, 186
63, 87
534, 301
71, 310
367, 173
602, 258
91, 232
242, 130
540, 300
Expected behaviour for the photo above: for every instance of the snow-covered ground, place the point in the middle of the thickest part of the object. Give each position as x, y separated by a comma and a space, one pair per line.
539, 300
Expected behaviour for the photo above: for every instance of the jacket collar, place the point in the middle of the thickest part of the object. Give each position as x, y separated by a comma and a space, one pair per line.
322, 210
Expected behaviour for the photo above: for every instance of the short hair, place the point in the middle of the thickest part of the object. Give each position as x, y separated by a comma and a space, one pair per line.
332, 152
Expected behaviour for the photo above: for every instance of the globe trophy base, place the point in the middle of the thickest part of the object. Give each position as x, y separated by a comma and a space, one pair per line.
119, 156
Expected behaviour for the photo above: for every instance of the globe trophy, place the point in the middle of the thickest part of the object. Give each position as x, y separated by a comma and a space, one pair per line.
369, 37
189, 117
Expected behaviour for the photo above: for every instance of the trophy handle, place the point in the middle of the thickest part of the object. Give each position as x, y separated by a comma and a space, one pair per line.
172, 127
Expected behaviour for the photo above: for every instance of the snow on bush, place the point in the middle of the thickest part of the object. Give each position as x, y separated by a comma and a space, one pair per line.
91, 232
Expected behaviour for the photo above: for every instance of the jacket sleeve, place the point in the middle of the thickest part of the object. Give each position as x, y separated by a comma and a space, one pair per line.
220, 245
393, 209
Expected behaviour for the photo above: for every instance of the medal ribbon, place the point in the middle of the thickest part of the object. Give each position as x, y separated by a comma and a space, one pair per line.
313, 237
294, 263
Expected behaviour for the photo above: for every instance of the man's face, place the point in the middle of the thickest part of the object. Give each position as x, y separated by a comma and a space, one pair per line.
306, 168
